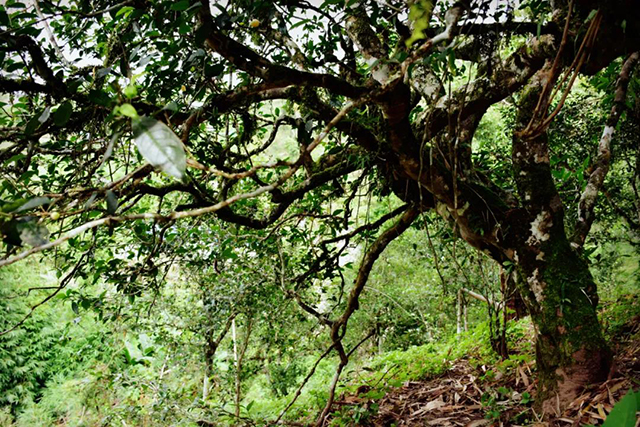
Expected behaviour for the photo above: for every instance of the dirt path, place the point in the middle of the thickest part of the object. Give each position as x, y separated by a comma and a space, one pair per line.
474, 396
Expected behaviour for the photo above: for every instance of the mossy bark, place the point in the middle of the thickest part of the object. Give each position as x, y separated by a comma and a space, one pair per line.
554, 279
570, 349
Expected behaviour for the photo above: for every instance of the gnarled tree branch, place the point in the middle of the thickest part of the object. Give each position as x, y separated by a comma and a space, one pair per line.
603, 161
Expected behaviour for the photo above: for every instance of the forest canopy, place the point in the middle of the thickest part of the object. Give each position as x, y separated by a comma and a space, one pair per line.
251, 161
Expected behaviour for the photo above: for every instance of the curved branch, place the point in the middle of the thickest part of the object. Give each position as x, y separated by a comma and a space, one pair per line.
303, 383
285, 200
371, 257
190, 213
10, 86
362, 136
248, 60
506, 79
363, 36
22, 43
603, 161
338, 328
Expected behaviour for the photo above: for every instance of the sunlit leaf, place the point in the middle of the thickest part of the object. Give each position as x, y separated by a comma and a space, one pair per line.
124, 10
131, 91
160, 146
128, 110
420, 15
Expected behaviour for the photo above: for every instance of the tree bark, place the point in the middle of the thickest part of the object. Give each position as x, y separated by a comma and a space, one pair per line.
553, 278
512, 298
570, 350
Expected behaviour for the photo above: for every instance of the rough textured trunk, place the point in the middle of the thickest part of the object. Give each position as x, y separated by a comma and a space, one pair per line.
516, 307
554, 279
570, 349
527, 231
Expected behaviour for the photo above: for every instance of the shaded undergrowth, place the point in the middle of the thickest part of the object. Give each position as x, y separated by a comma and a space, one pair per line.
464, 383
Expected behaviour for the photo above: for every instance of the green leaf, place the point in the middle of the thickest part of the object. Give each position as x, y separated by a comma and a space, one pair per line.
375, 394
112, 202
62, 114
623, 413
91, 200
127, 110
181, 5
146, 344
4, 18
420, 15
160, 146
123, 10
401, 56
132, 351
45, 115
34, 203
591, 15
36, 121
99, 97
451, 58
213, 70
103, 72
12, 205
171, 106
131, 91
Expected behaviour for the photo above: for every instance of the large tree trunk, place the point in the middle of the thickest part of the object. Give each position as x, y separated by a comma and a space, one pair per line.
570, 349
554, 279
527, 230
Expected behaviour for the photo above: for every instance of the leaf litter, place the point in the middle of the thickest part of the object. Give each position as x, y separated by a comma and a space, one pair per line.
463, 397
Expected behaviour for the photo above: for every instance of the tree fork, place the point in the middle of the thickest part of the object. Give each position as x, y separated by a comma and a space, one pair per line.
338, 327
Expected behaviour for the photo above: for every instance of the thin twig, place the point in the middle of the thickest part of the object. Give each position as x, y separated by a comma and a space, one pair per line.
304, 382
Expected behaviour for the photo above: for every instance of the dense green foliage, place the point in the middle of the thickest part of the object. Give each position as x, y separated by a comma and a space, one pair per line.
146, 367
213, 215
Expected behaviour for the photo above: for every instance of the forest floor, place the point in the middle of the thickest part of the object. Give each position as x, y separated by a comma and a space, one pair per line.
470, 394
